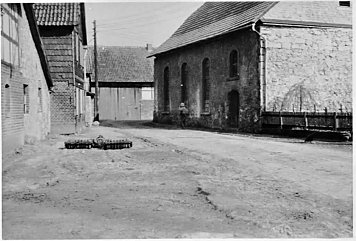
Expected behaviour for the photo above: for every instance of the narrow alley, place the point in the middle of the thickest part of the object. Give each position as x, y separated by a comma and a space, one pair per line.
176, 183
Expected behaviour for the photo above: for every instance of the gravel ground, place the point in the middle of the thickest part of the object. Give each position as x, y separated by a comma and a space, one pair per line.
177, 183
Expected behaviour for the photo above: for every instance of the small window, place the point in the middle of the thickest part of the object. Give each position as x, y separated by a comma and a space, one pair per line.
77, 101
9, 33
233, 64
205, 85
81, 101
344, 3
39, 100
26, 99
77, 48
183, 85
147, 93
166, 89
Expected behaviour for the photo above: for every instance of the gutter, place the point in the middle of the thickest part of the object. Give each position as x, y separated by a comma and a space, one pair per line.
262, 63
38, 43
85, 67
205, 39
82, 18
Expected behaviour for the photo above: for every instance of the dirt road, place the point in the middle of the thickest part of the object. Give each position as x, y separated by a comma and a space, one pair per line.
178, 184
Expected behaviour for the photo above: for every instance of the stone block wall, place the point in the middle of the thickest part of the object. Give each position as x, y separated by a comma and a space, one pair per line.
308, 67
218, 51
18, 127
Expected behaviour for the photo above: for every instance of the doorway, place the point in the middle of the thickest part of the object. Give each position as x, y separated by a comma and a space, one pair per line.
234, 109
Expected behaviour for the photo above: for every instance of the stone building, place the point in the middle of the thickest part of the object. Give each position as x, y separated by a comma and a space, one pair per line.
230, 61
63, 32
25, 79
125, 77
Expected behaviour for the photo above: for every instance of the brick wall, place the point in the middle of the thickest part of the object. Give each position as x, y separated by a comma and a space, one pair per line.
18, 127
218, 51
312, 66
12, 114
63, 108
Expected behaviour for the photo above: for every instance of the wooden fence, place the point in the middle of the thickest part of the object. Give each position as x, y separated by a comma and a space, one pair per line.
336, 121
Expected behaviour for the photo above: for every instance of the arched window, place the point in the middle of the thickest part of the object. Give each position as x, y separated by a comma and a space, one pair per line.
166, 89
234, 67
183, 85
205, 84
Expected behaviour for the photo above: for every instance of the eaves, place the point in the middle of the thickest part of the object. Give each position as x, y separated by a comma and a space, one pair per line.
38, 43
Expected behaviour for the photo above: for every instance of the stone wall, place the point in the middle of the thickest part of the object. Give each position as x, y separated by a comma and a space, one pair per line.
308, 67
218, 51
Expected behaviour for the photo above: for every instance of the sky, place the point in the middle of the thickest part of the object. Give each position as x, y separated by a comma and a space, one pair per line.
135, 23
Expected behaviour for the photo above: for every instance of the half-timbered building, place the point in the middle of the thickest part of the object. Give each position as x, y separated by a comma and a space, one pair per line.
25, 78
63, 32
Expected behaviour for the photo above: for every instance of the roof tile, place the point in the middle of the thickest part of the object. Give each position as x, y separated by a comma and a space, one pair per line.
57, 14
122, 64
311, 11
216, 18
213, 19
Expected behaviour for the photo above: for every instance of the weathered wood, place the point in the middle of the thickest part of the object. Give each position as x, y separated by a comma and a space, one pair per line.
123, 84
310, 120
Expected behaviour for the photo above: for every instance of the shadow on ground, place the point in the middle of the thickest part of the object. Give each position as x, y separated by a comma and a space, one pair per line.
149, 124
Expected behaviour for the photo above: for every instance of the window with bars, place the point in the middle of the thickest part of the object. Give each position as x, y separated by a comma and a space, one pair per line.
166, 89
234, 64
10, 14
205, 85
26, 99
183, 85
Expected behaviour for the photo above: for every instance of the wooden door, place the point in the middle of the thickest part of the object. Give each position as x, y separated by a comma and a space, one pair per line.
120, 104
234, 109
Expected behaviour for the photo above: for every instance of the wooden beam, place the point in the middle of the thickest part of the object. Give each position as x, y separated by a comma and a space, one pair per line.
123, 84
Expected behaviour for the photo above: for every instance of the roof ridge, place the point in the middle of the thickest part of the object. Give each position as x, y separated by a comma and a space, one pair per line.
211, 20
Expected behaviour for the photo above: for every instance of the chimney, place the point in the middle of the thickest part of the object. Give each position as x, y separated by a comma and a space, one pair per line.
149, 47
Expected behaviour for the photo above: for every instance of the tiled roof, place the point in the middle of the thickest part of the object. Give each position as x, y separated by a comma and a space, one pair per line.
328, 12
217, 18
123, 64
213, 19
57, 14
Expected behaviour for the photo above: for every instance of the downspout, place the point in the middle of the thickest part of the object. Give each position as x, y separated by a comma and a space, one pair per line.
86, 88
85, 68
75, 90
262, 63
